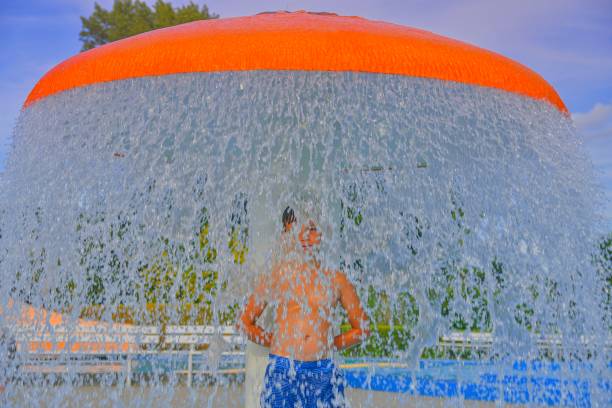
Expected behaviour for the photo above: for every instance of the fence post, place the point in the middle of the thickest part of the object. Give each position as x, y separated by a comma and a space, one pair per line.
190, 365
128, 379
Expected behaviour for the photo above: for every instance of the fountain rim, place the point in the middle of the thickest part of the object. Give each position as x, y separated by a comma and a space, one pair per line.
294, 41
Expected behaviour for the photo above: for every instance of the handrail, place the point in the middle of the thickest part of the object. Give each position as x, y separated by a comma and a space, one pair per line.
94, 339
486, 340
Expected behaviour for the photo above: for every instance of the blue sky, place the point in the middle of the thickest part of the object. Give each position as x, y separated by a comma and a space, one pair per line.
568, 42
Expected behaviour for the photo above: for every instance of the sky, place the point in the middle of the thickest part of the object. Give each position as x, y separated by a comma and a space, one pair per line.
568, 42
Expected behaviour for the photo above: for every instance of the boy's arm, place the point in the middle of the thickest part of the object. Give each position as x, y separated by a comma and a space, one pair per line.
253, 309
356, 315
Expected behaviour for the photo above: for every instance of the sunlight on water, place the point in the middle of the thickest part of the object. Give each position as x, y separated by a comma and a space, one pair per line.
158, 201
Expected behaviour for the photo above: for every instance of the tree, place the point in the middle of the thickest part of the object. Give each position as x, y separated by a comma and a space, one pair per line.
602, 260
131, 17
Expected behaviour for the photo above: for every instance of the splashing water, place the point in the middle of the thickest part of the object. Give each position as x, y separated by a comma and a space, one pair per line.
157, 202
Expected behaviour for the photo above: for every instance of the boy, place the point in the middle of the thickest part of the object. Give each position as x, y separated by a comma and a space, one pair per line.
300, 371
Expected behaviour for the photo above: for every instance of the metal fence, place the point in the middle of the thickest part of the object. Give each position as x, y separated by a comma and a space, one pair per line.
114, 348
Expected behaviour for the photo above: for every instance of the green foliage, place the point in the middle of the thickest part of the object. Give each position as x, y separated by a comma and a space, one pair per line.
167, 291
101, 268
178, 286
172, 293
469, 285
238, 246
391, 322
603, 263
385, 341
186, 296
131, 17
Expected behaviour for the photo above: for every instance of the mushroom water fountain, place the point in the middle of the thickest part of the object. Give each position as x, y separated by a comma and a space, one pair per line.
147, 177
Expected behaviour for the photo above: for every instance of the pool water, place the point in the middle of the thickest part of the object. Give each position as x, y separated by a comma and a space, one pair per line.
522, 382
535, 382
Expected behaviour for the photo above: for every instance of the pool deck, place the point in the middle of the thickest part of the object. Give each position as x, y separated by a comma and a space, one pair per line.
183, 396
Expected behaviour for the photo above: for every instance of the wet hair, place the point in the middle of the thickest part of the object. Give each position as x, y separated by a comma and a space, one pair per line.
288, 217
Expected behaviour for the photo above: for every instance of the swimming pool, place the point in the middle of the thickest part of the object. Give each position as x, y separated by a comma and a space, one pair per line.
522, 382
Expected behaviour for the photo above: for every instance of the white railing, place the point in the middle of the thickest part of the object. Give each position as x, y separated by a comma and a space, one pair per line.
110, 348
125, 334
484, 341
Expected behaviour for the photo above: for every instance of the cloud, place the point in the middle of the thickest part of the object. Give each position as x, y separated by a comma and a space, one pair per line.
596, 123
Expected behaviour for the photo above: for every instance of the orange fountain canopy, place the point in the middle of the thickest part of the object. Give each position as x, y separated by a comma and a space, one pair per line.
294, 41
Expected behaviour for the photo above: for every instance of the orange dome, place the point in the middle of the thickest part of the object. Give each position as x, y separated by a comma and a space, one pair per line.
294, 41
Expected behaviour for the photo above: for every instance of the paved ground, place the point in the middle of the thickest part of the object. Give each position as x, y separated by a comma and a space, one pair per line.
230, 396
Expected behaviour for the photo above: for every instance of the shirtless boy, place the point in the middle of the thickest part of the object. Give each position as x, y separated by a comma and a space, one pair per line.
300, 372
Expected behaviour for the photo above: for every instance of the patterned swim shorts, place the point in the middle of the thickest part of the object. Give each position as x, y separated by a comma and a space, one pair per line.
304, 384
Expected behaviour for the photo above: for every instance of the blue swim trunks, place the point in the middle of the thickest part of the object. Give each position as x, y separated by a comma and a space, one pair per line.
304, 384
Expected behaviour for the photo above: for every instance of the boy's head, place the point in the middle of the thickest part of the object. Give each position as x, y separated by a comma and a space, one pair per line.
309, 235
